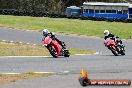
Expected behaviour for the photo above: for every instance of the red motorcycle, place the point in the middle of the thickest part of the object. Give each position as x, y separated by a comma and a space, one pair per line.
116, 48
55, 48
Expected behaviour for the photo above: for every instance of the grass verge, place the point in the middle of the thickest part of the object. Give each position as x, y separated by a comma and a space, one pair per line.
7, 78
18, 49
81, 51
69, 26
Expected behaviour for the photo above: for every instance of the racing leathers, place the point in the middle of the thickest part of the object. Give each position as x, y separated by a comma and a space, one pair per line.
55, 38
115, 38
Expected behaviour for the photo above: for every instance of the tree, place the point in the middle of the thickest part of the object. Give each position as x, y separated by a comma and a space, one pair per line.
52, 6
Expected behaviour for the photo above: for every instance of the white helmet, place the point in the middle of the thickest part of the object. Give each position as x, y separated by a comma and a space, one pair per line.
45, 32
106, 32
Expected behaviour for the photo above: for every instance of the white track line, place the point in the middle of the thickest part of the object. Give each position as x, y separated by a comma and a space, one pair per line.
44, 56
82, 54
97, 53
3, 40
27, 43
43, 72
20, 42
61, 72
87, 54
21, 56
22, 73
10, 73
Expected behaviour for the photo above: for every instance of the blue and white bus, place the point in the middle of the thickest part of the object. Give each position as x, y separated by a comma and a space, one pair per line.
73, 12
107, 10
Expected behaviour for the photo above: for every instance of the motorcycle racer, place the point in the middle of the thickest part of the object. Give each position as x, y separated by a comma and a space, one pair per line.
113, 43
107, 34
46, 33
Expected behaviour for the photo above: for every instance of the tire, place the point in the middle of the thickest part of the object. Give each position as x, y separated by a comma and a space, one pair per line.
122, 52
66, 53
53, 52
114, 52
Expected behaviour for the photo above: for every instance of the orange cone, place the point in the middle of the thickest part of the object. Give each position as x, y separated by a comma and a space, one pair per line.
84, 74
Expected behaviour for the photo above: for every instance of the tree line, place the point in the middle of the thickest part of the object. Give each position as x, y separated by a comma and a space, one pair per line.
53, 6
50, 6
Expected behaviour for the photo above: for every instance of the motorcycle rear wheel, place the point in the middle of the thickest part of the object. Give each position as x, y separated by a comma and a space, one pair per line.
122, 52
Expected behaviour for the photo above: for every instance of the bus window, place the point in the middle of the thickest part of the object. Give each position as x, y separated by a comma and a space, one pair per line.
130, 10
113, 11
108, 11
125, 11
119, 11
91, 11
102, 11
96, 11
86, 10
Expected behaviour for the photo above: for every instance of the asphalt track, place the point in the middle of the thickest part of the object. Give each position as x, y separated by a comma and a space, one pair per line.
100, 66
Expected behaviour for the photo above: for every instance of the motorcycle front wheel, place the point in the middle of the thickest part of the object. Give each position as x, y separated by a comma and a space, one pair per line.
53, 51
66, 53
114, 51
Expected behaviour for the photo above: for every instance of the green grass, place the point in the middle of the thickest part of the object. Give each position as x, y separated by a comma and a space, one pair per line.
27, 75
81, 51
6, 78
16, 49
76, 26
